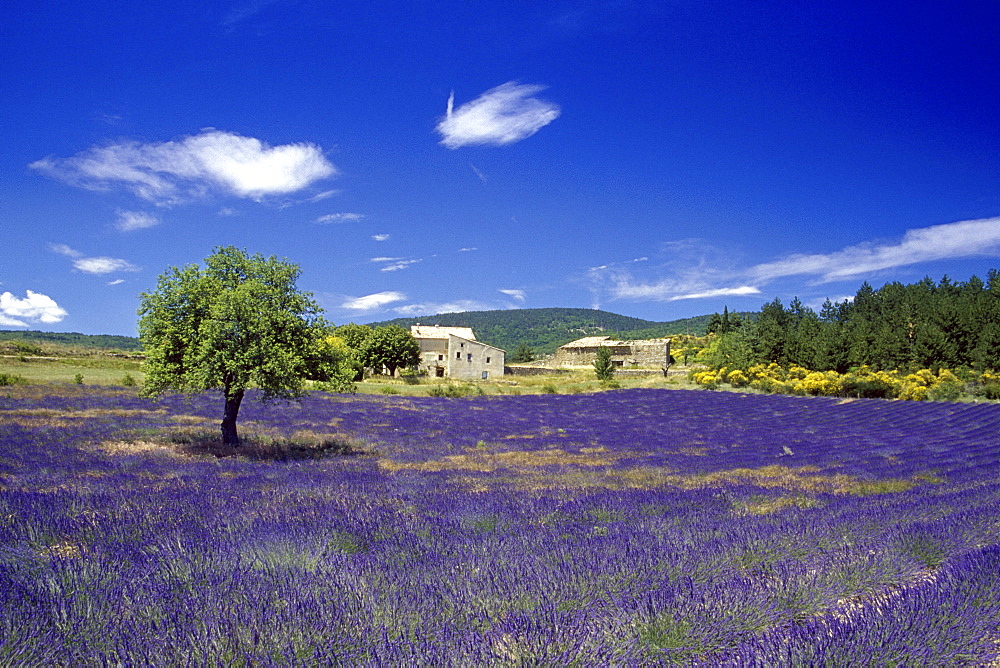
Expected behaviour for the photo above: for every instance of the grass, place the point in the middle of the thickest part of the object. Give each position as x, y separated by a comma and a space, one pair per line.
573, 382
95, 370
255, 444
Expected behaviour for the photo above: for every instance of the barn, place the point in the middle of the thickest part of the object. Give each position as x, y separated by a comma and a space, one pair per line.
453, 352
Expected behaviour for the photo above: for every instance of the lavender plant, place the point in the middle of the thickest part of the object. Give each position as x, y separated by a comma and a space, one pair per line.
628, 527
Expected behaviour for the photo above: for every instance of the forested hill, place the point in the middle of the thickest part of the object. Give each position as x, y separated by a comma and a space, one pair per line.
545, 329
542, 329
106, 341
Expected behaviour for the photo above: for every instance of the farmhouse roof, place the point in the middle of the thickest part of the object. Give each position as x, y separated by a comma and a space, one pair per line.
436, 332
598, 341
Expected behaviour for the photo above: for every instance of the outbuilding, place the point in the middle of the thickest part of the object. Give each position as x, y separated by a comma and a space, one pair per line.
454, 352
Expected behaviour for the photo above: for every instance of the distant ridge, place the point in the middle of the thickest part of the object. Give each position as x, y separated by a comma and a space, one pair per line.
110, 341
545, 329
542, 329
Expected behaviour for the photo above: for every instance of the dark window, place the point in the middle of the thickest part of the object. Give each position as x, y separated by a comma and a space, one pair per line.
458, 356
487, 361
440, 357
468, 357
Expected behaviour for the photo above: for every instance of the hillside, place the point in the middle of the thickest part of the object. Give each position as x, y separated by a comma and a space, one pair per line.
545, 329
97, 341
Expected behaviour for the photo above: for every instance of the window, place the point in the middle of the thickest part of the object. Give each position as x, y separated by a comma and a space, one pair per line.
468, 358
487, 361
458, 355
440, 358
486, 374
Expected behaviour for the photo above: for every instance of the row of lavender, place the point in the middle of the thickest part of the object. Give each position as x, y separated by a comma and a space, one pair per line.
149, 558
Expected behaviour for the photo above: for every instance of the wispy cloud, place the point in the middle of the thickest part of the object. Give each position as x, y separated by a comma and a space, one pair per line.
967, 238
244, 11
741, 291
478, 173
434, 308
339, 218
34, 308
129, 221
394, 263
93, 265
374, 301
691, 269
397, 266
380, 237
519, 295
502, 115
173, 171
319, 197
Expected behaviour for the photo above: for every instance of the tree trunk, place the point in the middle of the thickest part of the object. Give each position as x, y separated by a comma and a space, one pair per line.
233, 400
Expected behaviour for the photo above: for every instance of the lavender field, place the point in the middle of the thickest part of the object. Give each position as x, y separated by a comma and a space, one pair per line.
625, 527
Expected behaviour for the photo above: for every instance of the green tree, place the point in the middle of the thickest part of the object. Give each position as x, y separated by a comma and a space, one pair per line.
524, 353
240, 322
333, 364
354, 337
392, 347
603, 366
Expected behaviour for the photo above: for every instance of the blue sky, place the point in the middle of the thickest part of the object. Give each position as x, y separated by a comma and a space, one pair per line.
655, 159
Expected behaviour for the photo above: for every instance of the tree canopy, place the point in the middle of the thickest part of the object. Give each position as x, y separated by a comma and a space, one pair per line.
391, 347
921, 325
237, 323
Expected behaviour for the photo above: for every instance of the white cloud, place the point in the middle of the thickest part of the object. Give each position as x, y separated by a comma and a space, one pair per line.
35, 307
102, 265
135, 220
434, 308
339, 218
741, 291
63, 249
965, 238
478, 173
380, 237
319, 197
117, 281
519, 295
467, 250
396, 266
93, 265
502, 115
374, 301
169, 172
394, 263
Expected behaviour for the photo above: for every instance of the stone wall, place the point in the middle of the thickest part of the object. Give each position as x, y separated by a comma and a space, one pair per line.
649, 353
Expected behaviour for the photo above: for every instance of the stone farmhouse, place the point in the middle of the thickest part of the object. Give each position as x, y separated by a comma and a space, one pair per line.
642, 353
453, 352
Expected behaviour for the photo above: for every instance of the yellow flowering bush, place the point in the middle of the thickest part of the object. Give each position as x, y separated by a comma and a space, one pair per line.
864, 381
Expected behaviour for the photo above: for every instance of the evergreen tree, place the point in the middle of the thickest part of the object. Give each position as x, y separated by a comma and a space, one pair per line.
604, 366
523, 354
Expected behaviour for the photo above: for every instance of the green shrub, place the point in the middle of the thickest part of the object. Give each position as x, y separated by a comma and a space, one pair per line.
78, 379
28, 349
411, 376
450, 390
946, 391
991, 391
389, 389
11, 379
550, 388
128, 380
